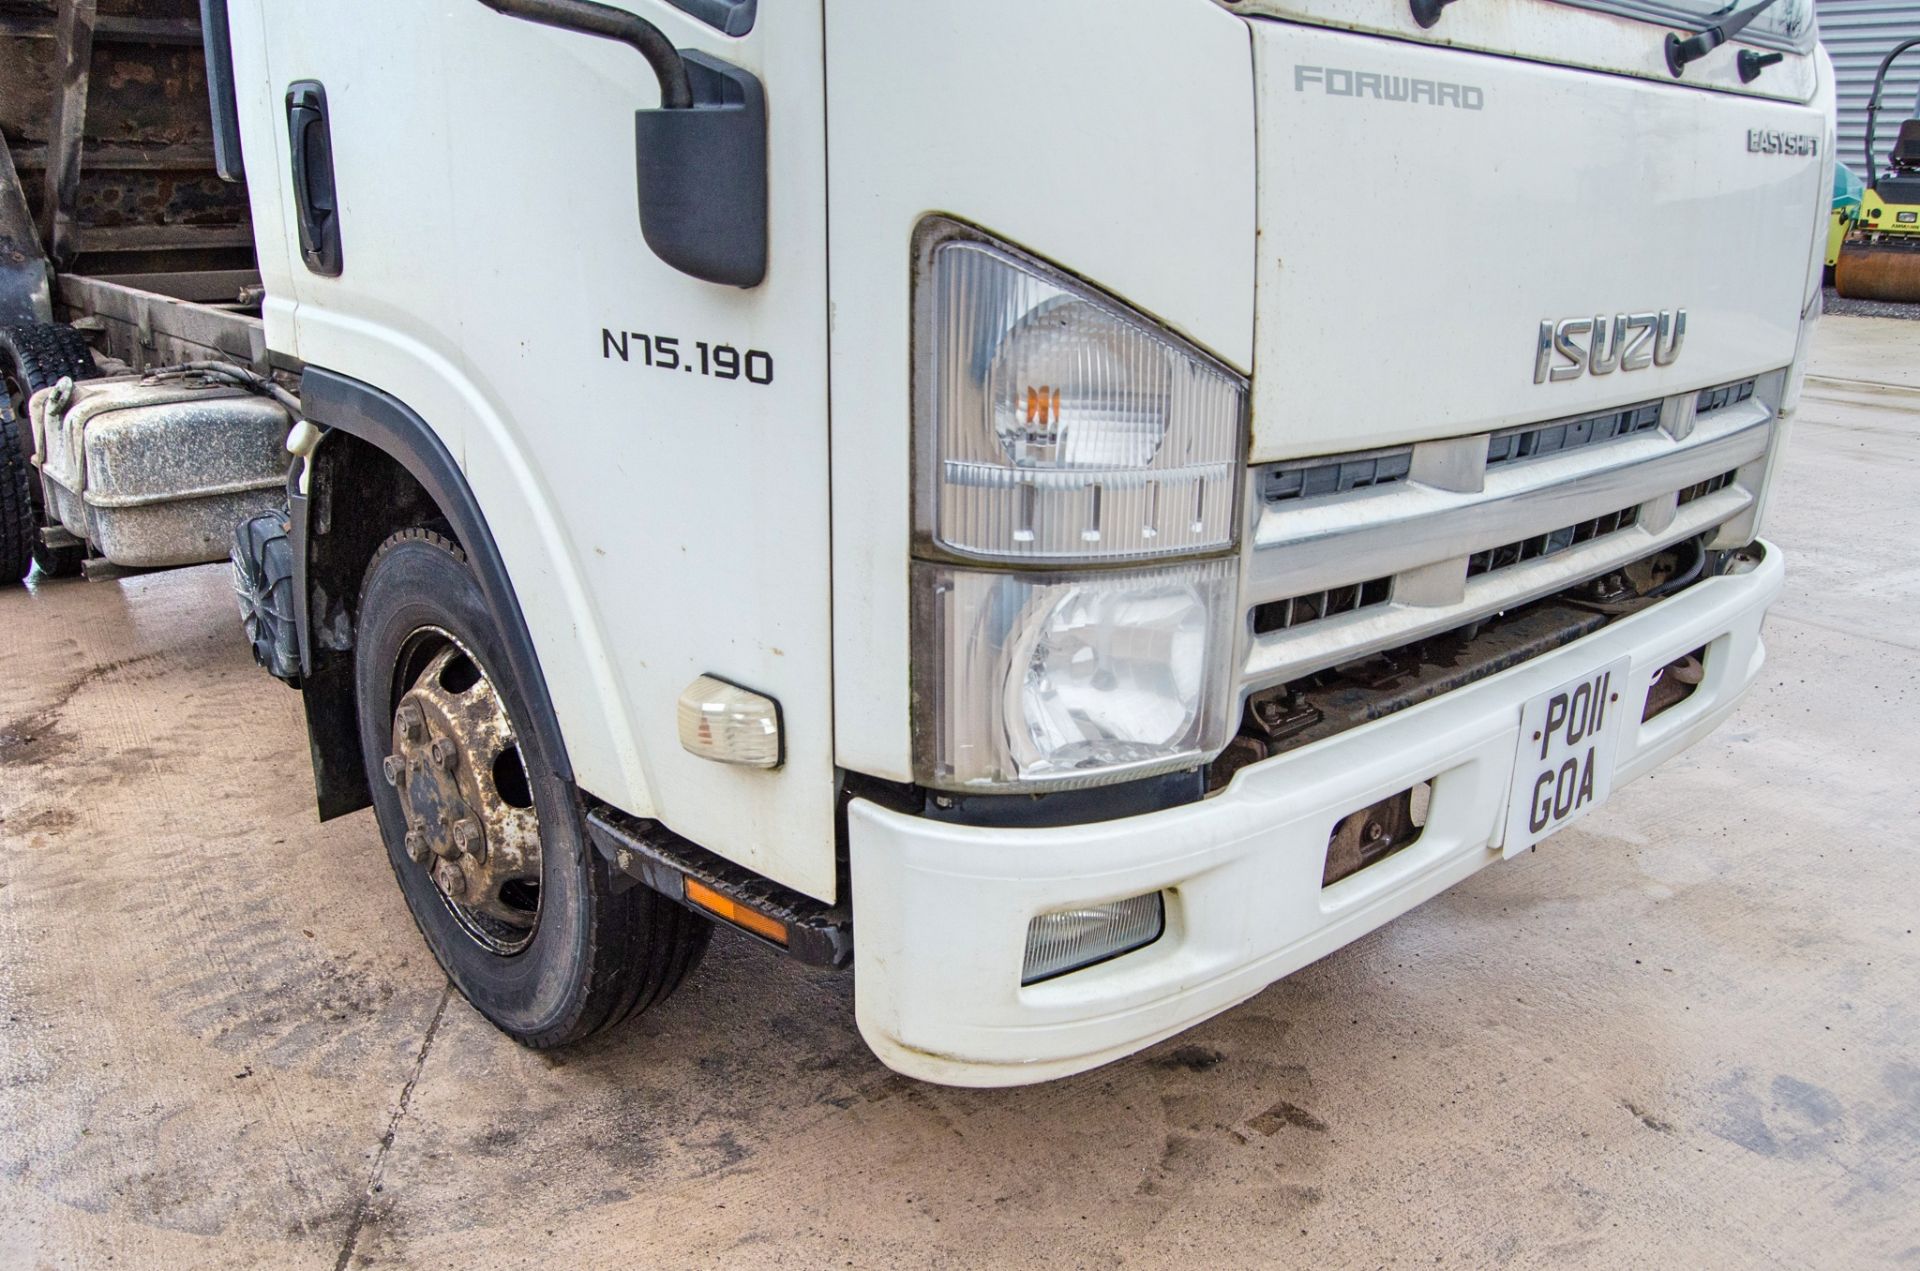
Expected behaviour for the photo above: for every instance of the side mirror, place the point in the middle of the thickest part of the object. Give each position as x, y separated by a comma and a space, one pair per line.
702, 173
700, 157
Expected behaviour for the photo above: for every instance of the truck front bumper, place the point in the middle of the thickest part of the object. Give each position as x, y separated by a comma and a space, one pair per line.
941, 911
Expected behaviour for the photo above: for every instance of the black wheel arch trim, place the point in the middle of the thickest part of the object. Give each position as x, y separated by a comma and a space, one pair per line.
341, 403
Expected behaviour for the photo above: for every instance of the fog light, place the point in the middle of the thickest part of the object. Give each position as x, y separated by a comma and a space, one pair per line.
730, 724
1075, 938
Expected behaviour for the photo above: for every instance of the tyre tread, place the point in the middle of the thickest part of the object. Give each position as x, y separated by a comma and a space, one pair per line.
39, 354
45, 351
19, 523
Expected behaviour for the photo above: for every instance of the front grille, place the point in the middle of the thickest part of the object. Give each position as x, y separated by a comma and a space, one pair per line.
1377, 559
1540, 440
1294, 611
1533, 548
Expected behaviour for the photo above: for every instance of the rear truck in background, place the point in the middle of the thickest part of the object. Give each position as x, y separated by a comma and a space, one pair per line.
142, 416
931, 487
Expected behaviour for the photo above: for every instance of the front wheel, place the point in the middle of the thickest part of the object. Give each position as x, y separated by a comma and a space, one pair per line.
488, 844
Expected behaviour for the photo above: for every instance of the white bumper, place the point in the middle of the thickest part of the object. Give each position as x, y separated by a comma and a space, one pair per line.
941, 911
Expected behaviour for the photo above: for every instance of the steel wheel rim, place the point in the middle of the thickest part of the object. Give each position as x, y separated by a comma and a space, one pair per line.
456, 769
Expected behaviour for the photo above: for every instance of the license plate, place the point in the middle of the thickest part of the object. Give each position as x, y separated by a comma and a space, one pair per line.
1564, 766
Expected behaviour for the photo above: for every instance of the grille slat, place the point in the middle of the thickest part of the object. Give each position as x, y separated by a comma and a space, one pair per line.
1295, 611
1285, 481
1701, 489
1344, 474
1709, 400
1540, 440
1551, 543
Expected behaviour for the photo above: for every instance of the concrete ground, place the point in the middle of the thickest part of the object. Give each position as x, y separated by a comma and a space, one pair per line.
1685, 1033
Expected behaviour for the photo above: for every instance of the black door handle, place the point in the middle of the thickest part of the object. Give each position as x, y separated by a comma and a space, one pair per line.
311, 143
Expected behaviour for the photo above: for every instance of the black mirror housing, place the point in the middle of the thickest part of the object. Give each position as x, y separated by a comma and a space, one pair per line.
702, 175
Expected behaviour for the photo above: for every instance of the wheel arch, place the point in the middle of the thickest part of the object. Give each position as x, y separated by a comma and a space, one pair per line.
384, 457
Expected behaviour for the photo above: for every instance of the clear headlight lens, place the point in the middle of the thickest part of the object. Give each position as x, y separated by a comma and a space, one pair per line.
1055, 681
1064, 428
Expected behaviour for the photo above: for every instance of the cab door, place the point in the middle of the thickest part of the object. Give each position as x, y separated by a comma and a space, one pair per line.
649, 449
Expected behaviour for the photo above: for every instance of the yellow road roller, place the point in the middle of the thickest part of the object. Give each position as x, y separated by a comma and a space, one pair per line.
1880, 255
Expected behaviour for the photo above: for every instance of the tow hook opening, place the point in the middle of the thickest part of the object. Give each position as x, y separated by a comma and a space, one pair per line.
1376, 832
1675, 682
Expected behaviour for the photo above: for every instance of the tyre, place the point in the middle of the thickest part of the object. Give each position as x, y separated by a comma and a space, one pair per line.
19, 520
33, 356
262, 562
489, 846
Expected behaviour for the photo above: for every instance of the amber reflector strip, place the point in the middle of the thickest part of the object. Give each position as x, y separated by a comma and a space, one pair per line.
705, 897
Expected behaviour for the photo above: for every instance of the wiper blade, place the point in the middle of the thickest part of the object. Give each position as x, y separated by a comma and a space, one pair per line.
1701, 43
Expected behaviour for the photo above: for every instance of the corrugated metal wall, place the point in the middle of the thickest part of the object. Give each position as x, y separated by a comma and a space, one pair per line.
1858, 33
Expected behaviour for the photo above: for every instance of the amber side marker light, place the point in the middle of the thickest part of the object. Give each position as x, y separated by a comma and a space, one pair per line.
704, 897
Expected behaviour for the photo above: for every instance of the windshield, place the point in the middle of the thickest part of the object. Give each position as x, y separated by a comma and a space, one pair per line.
1788, 24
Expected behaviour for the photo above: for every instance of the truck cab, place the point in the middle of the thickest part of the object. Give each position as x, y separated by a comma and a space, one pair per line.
1072, 511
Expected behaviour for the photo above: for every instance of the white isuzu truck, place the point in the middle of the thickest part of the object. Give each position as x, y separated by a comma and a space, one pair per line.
1072, 510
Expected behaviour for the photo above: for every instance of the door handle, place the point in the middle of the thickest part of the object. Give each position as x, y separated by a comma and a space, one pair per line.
310, 140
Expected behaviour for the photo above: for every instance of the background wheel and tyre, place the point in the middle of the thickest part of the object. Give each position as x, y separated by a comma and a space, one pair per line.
489, 846
32, 357
262, 560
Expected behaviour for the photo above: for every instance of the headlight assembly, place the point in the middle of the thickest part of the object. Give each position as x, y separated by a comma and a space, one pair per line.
1056, 432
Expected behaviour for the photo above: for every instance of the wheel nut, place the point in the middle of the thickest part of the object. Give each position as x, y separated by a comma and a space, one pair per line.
451, 880
412, 722
417, 847
442, 753
468, 840
393, 767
